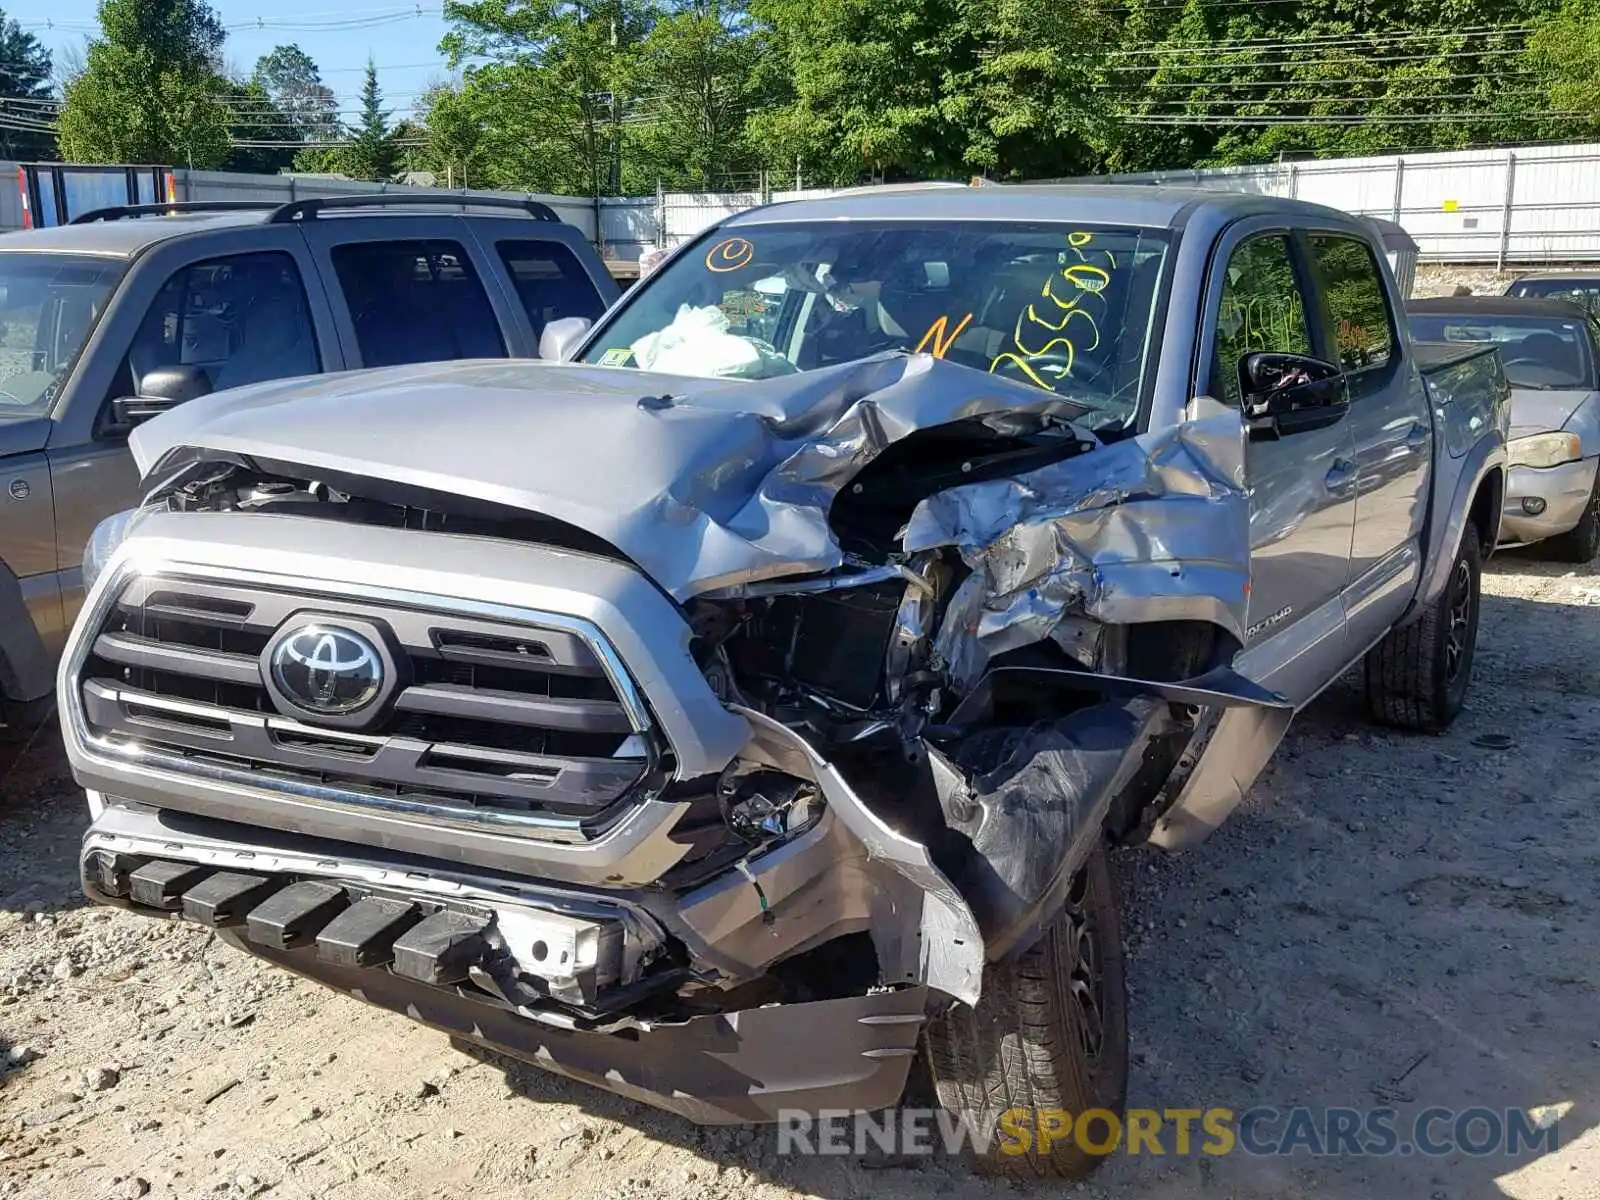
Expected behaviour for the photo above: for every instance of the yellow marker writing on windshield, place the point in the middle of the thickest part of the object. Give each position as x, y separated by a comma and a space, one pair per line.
936, 335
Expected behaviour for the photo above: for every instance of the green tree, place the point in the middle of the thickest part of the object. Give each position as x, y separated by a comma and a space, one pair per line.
701, 72
265, 138
933, 88
291, 79
26, 78
150, 91
368, 151
453, 148
864, 88
372, 153
549, 106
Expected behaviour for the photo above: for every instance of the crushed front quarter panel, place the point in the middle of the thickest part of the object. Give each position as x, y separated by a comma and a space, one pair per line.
1153, 528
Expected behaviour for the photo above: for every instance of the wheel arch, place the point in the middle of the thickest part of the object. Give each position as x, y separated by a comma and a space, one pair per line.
26, 673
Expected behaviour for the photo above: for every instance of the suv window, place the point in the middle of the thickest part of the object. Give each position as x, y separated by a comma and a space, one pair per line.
1262, 310
242, 319
416, 301
550, 282
1350, 279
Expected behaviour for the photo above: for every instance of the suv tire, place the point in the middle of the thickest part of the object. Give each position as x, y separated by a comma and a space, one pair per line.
1417, 677
1050, 1031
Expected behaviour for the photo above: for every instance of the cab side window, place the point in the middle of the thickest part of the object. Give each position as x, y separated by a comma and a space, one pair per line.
1363, 330
1262, 310
238, 320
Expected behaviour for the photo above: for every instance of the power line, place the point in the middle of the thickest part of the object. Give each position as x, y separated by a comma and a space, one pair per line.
1309, 42
1360, 119
1202, 63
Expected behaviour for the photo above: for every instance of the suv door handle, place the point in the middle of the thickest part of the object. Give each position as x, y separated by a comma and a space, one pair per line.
1417, 436
1341, 477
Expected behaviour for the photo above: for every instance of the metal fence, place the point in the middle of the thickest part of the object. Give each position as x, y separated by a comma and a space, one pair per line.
1536, 204
1517, 207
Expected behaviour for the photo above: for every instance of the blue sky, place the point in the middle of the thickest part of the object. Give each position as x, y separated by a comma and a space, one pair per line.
404, 45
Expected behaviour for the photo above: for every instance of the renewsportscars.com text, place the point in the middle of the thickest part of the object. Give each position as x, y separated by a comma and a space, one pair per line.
1374, 1132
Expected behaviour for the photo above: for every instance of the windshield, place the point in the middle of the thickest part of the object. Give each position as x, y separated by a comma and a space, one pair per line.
48, 305
1064, 308
1537, 352
1579, 290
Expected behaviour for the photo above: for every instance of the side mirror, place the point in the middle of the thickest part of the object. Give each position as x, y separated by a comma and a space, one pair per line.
161, 390
1290, 393
561, 337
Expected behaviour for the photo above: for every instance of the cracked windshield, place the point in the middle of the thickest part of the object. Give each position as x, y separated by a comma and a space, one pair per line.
1062, 308
48, 305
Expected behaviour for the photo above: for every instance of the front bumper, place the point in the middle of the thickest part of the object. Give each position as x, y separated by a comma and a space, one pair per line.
1564, 491
294, 906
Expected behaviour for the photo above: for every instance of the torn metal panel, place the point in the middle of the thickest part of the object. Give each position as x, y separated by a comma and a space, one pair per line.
703, 483
946, 951
1150, 529
1031, 807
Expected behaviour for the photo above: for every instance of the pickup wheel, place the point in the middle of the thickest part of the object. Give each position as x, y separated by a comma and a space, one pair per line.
1582, 542
1417, 676
1047, 1042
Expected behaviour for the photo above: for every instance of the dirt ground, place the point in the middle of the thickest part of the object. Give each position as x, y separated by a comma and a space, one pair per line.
1390, 920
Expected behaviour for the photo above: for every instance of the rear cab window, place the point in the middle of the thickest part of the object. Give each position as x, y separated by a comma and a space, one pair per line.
1363, 326
416, 300
1537, 351
549, 280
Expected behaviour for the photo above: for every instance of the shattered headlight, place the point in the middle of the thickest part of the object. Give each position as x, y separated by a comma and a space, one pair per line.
1544, 450
103, 543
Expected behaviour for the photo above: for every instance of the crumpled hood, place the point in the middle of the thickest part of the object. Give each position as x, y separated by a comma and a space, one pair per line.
702, 483
23, 435
1534, 410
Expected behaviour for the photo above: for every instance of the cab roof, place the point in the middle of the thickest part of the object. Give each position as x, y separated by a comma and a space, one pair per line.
1095, 204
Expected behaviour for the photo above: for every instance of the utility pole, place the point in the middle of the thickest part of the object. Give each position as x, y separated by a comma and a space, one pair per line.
616, 117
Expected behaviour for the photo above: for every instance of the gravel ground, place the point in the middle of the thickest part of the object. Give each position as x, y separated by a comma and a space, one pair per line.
1395, 920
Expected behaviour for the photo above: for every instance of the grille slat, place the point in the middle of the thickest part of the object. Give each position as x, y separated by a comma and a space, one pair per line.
489, 715
132, 650
454, 700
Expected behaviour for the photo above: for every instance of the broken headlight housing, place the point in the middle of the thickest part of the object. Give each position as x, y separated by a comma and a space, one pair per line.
105, 539
1544, 450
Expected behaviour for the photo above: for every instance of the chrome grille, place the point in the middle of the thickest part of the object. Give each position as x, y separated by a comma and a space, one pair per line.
491, 716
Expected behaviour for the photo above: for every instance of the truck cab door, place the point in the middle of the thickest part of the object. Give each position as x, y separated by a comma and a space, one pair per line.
1302, 482
1390, 428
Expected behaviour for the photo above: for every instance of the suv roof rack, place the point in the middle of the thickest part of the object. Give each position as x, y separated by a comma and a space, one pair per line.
119, 212
305, 210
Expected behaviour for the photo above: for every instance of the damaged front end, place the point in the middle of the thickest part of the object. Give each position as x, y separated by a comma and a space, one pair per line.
756, 748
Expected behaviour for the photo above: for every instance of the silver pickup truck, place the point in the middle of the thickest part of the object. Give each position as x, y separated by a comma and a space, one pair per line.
741, 707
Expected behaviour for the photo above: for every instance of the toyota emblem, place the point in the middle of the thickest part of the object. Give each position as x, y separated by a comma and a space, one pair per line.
326, 670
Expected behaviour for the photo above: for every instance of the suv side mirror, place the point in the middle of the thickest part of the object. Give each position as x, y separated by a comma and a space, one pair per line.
1290, 393
159, 391
561, 337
